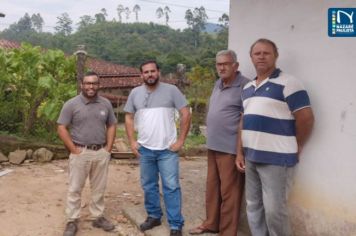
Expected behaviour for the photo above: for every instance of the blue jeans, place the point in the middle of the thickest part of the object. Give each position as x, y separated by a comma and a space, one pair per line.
166, 164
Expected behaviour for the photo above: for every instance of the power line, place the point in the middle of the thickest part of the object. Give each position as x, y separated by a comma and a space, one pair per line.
178, 5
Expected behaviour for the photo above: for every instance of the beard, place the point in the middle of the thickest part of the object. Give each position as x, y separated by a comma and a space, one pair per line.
89, 94
151, 81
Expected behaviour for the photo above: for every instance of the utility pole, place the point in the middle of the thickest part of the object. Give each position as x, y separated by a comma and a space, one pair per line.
81, 58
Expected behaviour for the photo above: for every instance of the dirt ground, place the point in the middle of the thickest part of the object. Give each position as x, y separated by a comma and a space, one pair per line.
33, 195
32, 199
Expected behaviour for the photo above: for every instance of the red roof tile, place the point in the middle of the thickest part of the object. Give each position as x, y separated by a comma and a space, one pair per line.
9, 44
102, 67
120, 81
111, 75
114, 98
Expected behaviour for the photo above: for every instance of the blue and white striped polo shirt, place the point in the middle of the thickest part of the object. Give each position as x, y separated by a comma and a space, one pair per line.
269, 132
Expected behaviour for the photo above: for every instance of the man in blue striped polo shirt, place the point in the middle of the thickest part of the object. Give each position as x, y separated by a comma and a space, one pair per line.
277, 120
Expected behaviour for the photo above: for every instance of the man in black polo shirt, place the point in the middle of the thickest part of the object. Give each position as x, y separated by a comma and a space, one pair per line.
92, 124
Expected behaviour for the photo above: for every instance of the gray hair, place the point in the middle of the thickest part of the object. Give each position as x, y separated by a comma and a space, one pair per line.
229, 52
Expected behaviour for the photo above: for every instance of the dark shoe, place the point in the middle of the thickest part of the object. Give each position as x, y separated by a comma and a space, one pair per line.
176, 232
103, 223
71, 229
149, 224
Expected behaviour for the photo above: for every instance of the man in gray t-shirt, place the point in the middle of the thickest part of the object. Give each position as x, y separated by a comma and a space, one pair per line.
224, 185
150, 109
92, 124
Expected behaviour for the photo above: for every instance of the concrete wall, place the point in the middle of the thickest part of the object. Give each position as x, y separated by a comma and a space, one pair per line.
323, 198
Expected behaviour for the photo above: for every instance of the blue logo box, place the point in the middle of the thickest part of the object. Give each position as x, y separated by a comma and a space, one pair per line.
342, 22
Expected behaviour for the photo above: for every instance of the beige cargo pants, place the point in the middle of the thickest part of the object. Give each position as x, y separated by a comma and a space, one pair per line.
95, 165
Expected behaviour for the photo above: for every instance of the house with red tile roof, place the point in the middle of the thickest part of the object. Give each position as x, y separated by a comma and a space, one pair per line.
116, 81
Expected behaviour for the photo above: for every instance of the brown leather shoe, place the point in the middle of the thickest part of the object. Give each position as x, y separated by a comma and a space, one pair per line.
103, 223
201, 230
71, 229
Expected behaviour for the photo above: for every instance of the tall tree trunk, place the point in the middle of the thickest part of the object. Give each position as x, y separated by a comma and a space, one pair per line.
29, 122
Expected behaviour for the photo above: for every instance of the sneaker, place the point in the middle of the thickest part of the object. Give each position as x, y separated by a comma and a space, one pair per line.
176, 232
71, 229
149, 224
103, 223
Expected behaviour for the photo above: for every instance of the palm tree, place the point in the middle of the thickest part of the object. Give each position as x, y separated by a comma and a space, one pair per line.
120, 9
159, 12
127, 13
166, 12
136, 9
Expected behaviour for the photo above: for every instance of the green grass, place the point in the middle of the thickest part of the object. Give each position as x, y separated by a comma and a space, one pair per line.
194, 141
121, 133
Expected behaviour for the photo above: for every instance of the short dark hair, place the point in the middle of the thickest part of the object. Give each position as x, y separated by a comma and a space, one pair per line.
149, 62
90, 73
267, 41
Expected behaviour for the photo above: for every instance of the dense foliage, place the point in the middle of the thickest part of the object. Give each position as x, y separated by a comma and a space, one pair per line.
33, 87
127, 43
35, 82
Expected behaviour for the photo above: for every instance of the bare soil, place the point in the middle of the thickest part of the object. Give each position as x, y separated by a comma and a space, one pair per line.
33, 196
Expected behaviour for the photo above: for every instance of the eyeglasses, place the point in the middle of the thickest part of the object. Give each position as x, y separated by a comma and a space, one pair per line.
91, 83
224, 64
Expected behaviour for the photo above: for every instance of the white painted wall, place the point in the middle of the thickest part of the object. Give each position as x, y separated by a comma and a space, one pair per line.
323, 198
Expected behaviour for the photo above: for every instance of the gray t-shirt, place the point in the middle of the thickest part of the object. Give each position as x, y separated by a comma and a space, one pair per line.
87, 120
155, 114
224, 115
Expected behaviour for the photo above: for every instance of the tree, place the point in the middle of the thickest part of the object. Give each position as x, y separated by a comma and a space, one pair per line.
166, 13
196, 20
101, 16
22, 28
223, 34
85, 21
39, 82
136, 9
159, 12
64, 24
120, 9
127, 13
224, 20
25, 23
198, 92
37, 22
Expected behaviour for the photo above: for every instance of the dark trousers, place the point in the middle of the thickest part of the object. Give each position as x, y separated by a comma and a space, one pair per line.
224, 190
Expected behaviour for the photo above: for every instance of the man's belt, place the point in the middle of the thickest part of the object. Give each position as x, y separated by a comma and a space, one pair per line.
94, 147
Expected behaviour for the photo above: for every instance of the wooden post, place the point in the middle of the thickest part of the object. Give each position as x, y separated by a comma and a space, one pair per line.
81, 58
181, 77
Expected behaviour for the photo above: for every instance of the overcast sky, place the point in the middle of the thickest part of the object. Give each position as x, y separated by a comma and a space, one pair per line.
51, 9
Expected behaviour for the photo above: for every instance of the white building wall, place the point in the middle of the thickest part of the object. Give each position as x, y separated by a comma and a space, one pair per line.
323, 198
